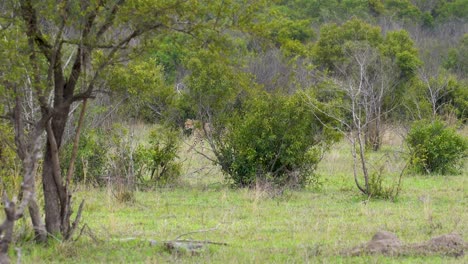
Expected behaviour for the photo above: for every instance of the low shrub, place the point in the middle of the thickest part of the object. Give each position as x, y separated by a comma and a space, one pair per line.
435, 148
273, 138
91, 156
156, 161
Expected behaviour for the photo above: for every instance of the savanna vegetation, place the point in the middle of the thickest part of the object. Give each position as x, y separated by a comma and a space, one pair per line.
231, 131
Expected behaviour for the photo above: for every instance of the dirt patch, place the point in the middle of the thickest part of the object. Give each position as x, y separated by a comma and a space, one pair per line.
387, 243
383, 242
449, 244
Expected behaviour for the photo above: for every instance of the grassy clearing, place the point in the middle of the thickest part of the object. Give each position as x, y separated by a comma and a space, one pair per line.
295, 227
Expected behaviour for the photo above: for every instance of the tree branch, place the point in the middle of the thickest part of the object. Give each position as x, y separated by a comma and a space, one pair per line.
30, 18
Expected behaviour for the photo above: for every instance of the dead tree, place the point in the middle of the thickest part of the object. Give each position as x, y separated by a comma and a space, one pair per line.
368, 80
364, 80
436, 86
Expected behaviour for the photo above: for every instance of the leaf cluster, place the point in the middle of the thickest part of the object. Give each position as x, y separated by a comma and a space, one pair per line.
435, 148
273, 138
156, 162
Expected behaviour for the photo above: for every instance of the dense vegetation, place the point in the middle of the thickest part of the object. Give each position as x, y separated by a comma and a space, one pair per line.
271, 85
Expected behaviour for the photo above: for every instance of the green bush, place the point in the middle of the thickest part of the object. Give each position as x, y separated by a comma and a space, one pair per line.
435, 148
274, 138
156, 162
91, 156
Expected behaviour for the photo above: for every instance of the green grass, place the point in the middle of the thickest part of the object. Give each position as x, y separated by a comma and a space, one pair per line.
302, 226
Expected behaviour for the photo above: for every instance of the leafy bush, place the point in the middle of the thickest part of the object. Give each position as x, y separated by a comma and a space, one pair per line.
156, 162
435, 148
91, 156
274, 138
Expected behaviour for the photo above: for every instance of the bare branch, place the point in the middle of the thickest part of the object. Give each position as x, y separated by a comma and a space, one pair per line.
197, 231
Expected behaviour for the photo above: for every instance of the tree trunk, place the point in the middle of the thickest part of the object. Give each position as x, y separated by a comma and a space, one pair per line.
373, 134
52, 189
7, 230
51, 195
40, 233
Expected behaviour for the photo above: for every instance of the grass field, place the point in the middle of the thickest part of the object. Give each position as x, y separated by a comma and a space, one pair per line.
301, 226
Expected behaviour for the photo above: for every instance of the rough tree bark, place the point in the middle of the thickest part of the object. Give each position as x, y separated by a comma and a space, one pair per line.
28, 152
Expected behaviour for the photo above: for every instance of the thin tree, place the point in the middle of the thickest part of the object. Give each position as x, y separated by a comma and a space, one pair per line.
364, 80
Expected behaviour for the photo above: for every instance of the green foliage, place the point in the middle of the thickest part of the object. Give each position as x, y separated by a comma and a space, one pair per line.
213, 87
451, 98
449, 10
91, 156
385, 179
274, 138
328, 11
435, 148
427, 20
377, 188
168, 51
142, 82
10, 165
156, 162
376, 7
120, 164
329, 48
457, 59
416, 105
290, 35
454, 100
403, 9
399, 46
460, 101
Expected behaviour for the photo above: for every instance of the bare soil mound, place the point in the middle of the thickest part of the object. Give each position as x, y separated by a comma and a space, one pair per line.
383, 242
449, 244
387, 243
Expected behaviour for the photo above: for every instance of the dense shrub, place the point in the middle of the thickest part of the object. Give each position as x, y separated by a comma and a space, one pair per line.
435, 148
156, 161
91, 156
274, 138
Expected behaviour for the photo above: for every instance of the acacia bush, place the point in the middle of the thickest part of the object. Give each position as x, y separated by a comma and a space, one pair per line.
156, 162
272, 138
435, 148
